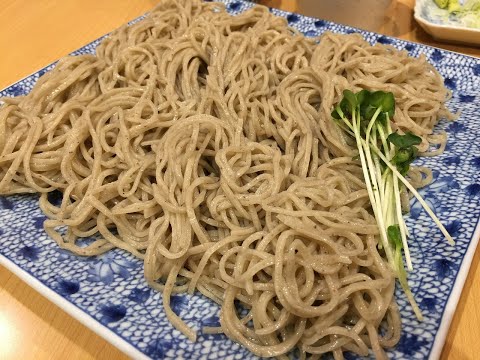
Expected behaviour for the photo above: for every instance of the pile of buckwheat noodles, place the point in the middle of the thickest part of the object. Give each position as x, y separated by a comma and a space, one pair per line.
202, 143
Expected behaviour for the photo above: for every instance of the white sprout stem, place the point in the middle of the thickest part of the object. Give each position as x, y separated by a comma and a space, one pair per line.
372, 138
342, 116
390, 207
386, 149
383, 138
372, 191
401, 222
391, 150
413, 303
417, 195
382, 188
387, 197
394, 209
396, 197
402, 278
405, 228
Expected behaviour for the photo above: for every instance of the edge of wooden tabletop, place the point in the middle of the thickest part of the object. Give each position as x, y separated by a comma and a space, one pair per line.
41, 37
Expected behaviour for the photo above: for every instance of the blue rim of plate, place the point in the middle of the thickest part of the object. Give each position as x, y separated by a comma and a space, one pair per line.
108, 293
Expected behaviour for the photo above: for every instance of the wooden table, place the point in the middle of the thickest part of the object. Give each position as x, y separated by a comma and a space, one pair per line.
35, 33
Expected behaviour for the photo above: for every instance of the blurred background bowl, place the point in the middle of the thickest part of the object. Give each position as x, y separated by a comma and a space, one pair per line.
363, 14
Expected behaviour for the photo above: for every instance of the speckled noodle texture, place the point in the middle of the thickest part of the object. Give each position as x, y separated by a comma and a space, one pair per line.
112, 290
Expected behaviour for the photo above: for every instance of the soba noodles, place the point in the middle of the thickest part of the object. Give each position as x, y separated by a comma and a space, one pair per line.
202, 143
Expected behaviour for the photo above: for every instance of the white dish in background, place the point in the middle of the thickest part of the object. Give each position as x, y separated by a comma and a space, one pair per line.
426, 14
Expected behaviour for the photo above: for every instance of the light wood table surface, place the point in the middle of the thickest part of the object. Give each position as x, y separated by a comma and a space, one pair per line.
34, 34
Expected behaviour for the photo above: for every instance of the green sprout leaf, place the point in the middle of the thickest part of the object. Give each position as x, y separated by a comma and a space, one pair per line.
404, 141
348, 103
370, 102
393, 234
403, 168
362, 97
407, 152
403, 158
367, 112
404, 155
351, 99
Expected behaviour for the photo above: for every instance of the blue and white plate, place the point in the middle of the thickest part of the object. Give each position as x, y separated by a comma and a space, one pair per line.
109, 295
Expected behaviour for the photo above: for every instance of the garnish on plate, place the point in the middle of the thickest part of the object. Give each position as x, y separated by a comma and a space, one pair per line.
385, 157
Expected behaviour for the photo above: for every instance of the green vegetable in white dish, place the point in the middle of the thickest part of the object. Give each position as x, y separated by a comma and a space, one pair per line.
465, 13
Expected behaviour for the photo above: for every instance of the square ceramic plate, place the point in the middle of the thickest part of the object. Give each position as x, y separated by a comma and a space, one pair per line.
109, 295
